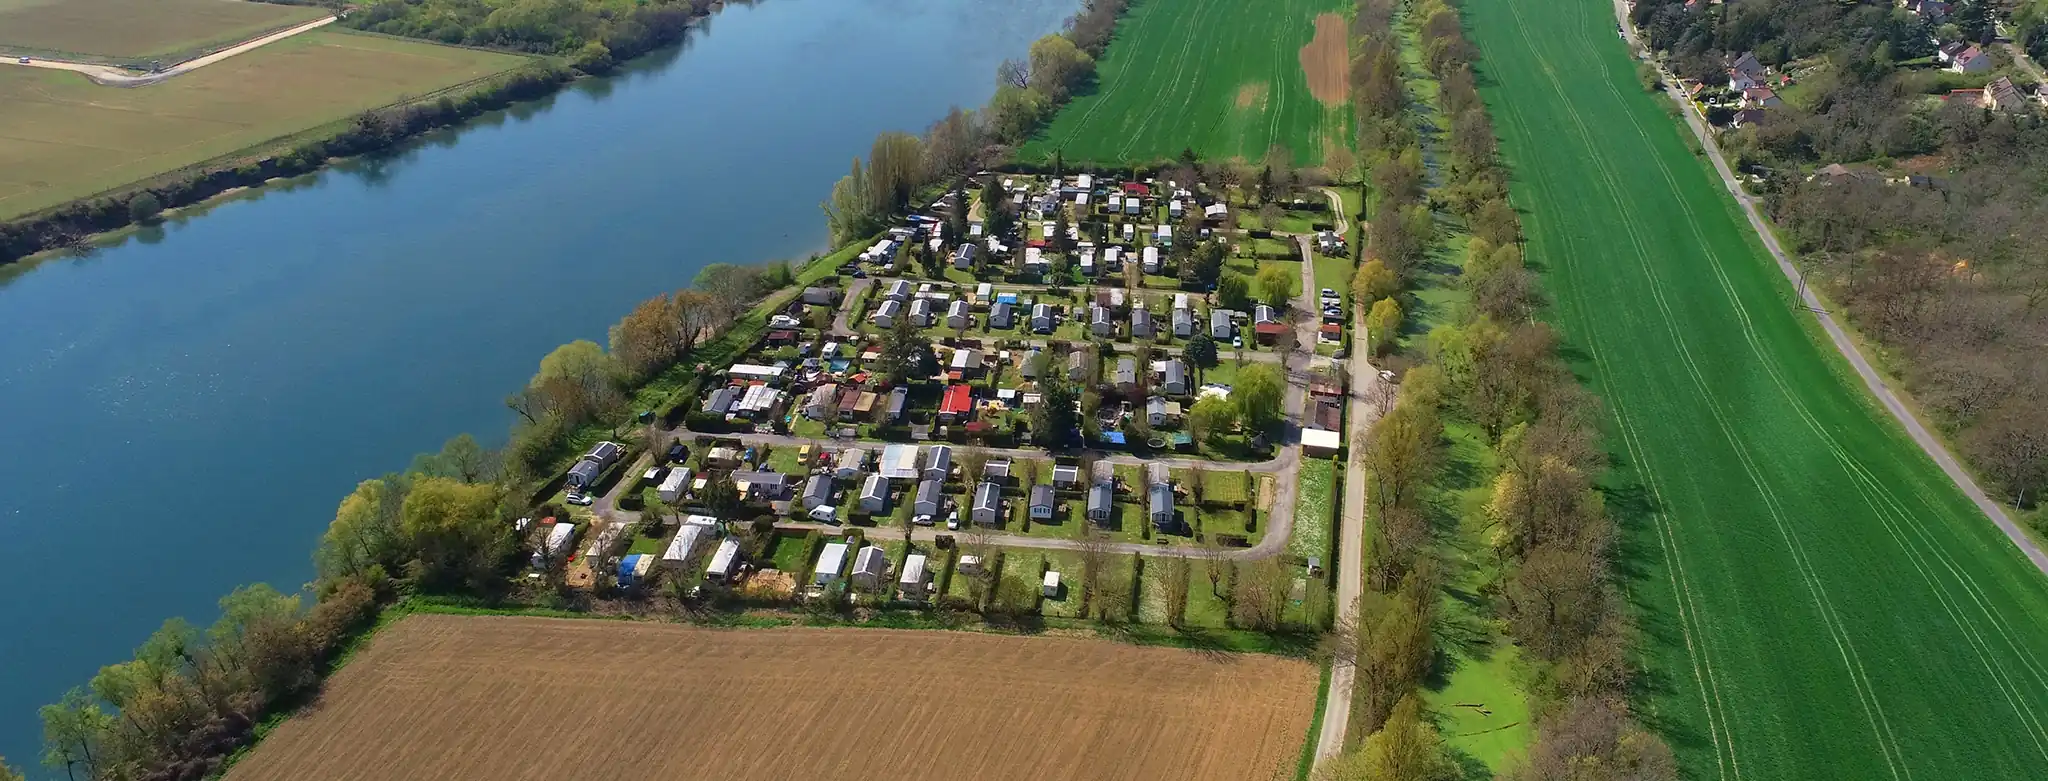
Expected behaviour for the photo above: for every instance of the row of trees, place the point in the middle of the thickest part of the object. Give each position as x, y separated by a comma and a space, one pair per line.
1946, 271
1028, 91
1551, 535
592, 33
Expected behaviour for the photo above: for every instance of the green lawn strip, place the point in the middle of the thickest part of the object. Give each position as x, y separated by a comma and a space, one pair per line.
1314, 507
1315, 727
1828, 571
1481, 710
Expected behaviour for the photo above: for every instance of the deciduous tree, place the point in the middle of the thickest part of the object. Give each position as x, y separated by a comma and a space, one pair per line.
1260, 392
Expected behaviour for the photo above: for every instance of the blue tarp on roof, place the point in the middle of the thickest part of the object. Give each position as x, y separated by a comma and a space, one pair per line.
1006, 298
626, 566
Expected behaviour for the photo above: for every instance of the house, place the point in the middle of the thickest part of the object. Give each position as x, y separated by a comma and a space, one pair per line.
898, 399
822, 402
899, 290
1088, 261
1174, 379
830, 563
1077, 365
870, 566
592, 464
1101, 502
1031, 365
938, 462
999, 315
1173, 208
817, 492
988, 504
720, 401
1126, 375
927, 502
963, 257
850, 463
761, 485
1760, 97
1971, 60
1215, 212
885, 315
583, 475
1141, 324
682, 546
822, 296
1748, 66
957, 405
1947, 53
966, 361
957, 316
2001, 95
1183, 322
921, 313
1161, 506
1113, 258
1747, 117
899, 462
996, 470
1099, 322
1041, 505
916, 577
874, 495
1220, 326
1150, 260
1041, 318
1066, 475
1155, 411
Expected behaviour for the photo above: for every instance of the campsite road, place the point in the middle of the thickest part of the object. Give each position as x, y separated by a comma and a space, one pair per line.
1927, 441
117, 77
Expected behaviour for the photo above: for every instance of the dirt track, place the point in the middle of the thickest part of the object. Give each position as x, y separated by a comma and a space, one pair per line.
1326, 62
448, 697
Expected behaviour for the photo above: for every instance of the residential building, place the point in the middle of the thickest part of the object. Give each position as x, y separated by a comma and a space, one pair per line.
1041, 505
850, 463
2001, 95
999, 315
963, 257
957, 404
1150, 262
899, 290
938, 462
820, 295
886, 314
1101, 502
1041, 318
1077, 365
870, 566
830, 563
1099, 322
874, 495
817, 491
1971, 60
915, 583
1141, 324
822, 402
1155, 411
900, 462
1220, 327
988, 504
1174, 379
898, 399
1126, 375
1161, 506
1066, 475
1183, 322
921, 313
929, 501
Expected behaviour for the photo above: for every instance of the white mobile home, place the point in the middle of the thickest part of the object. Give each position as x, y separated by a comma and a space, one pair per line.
830, 562
683, 546
915, 575
674, 486
725, 561
1150, 260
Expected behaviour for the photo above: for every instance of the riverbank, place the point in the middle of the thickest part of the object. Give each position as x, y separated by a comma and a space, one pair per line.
405, 102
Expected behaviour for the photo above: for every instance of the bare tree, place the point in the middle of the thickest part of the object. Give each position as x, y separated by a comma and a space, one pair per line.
1175, 572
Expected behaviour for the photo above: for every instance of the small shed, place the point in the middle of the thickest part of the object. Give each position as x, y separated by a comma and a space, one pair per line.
1320, 442
969, 565
634, 569
1051, 585
870, 566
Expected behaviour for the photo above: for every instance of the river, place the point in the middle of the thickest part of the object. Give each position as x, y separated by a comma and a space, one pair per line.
181, 413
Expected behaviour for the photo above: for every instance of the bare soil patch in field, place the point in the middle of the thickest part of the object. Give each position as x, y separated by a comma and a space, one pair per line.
460, 697
173, 30
1325, 59
1252, 96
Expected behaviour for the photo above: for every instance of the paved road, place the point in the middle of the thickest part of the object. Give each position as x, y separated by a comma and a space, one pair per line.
1928, 442
117, 77
2020, 58
842, 323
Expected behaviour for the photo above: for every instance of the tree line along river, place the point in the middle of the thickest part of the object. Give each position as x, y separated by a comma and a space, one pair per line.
184, 410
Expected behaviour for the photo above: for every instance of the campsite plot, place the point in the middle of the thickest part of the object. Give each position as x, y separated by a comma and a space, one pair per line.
1818, 600
169, 30
1226, 78
63, 137
460, 697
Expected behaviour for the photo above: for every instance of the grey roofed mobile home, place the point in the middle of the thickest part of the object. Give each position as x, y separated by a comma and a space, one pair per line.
1219, 324
1041, 318
583, 474
1141, 324
1176, 377
1100, 502
899, 290
1183, 322
820, 295
1263, 314
1155, 411
988, 504
605, 453
1099, 322
921, 312
817, 491
874, 494
1162, 505
956, 315
964, 256
1077, 364
720, 401
1126, 372
1066, 474
938, 462
885, 315
1041, 502
869, 565
927, 502
897, 398
850, 463
769, 484
999, 315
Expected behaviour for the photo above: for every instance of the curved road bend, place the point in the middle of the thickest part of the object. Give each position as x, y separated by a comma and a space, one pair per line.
117, 77
1928, 442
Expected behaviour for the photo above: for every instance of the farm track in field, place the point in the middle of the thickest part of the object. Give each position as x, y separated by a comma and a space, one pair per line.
1818, 599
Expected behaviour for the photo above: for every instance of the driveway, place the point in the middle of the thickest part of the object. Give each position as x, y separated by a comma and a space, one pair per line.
117, 77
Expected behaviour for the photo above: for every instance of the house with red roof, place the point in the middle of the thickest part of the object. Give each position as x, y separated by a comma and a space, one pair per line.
957, 404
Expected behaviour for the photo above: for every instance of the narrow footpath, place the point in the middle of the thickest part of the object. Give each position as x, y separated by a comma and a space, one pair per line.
118, 77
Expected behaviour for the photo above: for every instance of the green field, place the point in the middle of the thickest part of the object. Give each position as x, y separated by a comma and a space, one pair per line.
63, 137
119, 30
1817, 600
1227, 78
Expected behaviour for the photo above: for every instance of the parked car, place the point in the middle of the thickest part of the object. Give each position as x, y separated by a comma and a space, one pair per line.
580, 500
24, 60
678, 453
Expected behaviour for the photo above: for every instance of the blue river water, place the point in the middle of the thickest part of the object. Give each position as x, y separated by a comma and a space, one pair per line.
180, 414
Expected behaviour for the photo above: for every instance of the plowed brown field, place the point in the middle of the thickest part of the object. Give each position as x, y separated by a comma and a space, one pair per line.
456, 697
1326, 62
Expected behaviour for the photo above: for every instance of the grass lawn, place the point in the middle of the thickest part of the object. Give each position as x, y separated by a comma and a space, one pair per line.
119, 31
1335, 273
787, 552
649, 545
1480, 710
1314, 506
1816, 598
1226, 79
63, 138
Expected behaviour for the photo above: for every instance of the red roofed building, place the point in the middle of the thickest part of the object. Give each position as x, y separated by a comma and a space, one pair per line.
957, 404
1266, 332
1137, 188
